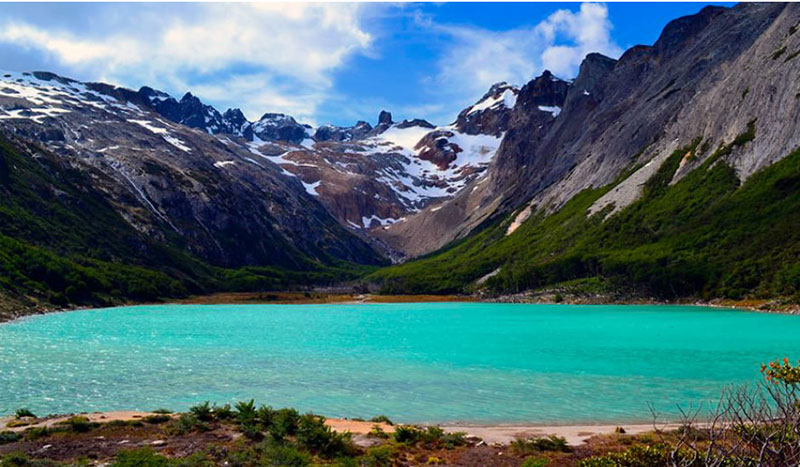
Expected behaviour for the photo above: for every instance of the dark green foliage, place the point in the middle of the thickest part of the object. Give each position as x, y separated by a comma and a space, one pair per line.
162, 411
246, 412
23, 412
185, 424
202, 412
407, 434
79, 424
157, 419
704, 236
9, 437
533, 445
535, 462
62, 243
32, 434
379, 456
144, 457
21, 460
312, 434
381, 419
778, 53
636, 456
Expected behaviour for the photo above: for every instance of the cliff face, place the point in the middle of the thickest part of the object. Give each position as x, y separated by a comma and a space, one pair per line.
707, 77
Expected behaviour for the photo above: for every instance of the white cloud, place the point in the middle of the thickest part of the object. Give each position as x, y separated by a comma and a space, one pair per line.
479, 58
269, 43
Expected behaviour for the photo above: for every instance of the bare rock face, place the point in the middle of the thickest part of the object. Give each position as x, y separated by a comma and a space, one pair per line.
491, 113
336, 133
280, 127
707, 76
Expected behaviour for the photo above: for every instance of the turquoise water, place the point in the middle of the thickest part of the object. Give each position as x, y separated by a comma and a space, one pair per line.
444, 362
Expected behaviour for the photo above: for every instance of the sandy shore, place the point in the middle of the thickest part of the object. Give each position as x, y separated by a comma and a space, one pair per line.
491, 434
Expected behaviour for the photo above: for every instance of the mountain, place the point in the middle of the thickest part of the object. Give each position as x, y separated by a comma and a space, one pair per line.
213, 189
672, 170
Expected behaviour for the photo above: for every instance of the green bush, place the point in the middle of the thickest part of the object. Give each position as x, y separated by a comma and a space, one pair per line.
284, 456
7, 437
32, 434
540, 444
381, 419
407, 434
535, 462
185, 424
637, 456
144, 457
379, 456
313, 435
246, 412
157, 419
202, 412
79, 424
23, 412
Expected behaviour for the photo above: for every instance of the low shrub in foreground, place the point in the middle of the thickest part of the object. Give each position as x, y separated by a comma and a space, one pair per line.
144, 457
540, 444
637, 456
9, 437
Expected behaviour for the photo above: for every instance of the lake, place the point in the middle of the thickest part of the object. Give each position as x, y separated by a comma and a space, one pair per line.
423, 362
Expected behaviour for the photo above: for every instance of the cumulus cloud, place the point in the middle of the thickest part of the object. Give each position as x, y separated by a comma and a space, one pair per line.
479, 58
255, 49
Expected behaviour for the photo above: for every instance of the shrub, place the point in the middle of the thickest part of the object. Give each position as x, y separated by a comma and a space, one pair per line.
246, 412
203, 412
377, 432
144, 457
381, 419
379, 456
185, 424
535, 462
223, 412
637, 456
19, 459
540, 444
314, 435
284, 456
9, 437
23, 412
79, 424
35, 433
156, 419
284, 423
162, 411
407, 434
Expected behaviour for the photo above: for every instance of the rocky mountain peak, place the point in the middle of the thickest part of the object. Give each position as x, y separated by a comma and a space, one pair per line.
418, 122
681, 30
279, 127
385, 118
490, 114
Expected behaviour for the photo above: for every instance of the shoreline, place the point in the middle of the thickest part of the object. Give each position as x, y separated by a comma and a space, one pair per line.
324, 298
500, 434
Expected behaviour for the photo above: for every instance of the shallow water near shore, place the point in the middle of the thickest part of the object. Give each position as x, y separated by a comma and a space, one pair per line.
474, 363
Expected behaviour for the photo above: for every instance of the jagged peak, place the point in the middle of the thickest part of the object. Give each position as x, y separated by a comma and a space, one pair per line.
419, 122
385, 117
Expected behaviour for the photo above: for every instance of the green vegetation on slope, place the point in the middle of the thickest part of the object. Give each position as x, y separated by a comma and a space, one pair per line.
704, 236
62, 243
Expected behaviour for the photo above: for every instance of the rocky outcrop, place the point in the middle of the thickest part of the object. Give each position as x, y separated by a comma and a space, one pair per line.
707, 76
337, 133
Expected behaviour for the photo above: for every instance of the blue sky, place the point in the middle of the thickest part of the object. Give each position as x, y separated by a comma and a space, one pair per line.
324, 63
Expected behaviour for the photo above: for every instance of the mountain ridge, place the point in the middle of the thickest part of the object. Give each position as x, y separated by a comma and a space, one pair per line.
686, 122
